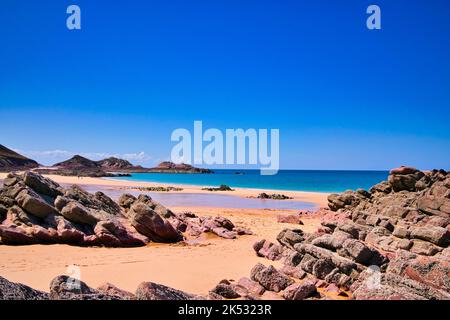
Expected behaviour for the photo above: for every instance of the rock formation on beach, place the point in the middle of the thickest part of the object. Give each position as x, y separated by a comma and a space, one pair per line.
11, 160
35, 209
388, 243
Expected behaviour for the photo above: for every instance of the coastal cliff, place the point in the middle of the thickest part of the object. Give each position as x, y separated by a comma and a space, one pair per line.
11, 160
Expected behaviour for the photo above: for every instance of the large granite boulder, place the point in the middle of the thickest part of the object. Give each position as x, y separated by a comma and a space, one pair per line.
151, 224
154, 291
16, 291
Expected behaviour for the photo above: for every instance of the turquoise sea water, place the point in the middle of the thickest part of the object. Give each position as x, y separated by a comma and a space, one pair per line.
299, 180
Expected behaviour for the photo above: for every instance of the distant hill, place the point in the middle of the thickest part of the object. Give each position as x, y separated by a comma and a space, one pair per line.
81, 166
170, 167
113, 163
11, 160
77, 162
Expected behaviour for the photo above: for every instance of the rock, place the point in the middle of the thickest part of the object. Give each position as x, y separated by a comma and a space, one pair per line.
149, 223
289, 218
114, 234
355, 230
34, 204
218, 222
346, 199
294, 272
404, 181
112, 290
382, 187
290, 237
98, 202
332, 242
344, 264
251, 286
424, 248
401, 232
3, 212
322, 268
224, 233
437, 235
299, 291
126, 200
268, 250
154, 291
225, 290
403, 170
16, 291
69, 232
292, 258
42, 185
76, 212
14, 235
270, 278
358, 251
67, 288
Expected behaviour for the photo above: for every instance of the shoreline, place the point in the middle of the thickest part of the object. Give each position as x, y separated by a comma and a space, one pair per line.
317, 198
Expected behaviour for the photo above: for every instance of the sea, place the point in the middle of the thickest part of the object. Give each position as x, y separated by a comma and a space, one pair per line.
293, 180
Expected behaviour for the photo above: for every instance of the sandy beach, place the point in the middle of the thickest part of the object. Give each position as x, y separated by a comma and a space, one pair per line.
195, 268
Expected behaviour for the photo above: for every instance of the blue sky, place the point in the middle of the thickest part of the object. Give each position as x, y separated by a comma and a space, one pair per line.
343, 97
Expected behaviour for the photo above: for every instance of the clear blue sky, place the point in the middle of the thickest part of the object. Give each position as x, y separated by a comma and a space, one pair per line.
343, 97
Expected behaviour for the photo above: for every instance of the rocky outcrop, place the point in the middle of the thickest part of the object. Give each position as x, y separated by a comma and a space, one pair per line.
147, 222
34, 209
391, 242
274, 196
11, 160
16, 291
154, 291
170, 167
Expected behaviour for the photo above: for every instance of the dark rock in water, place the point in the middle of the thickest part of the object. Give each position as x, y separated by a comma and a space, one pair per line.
154, 291
222, 187
274, 196
270, 278
16, 291
149, 223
